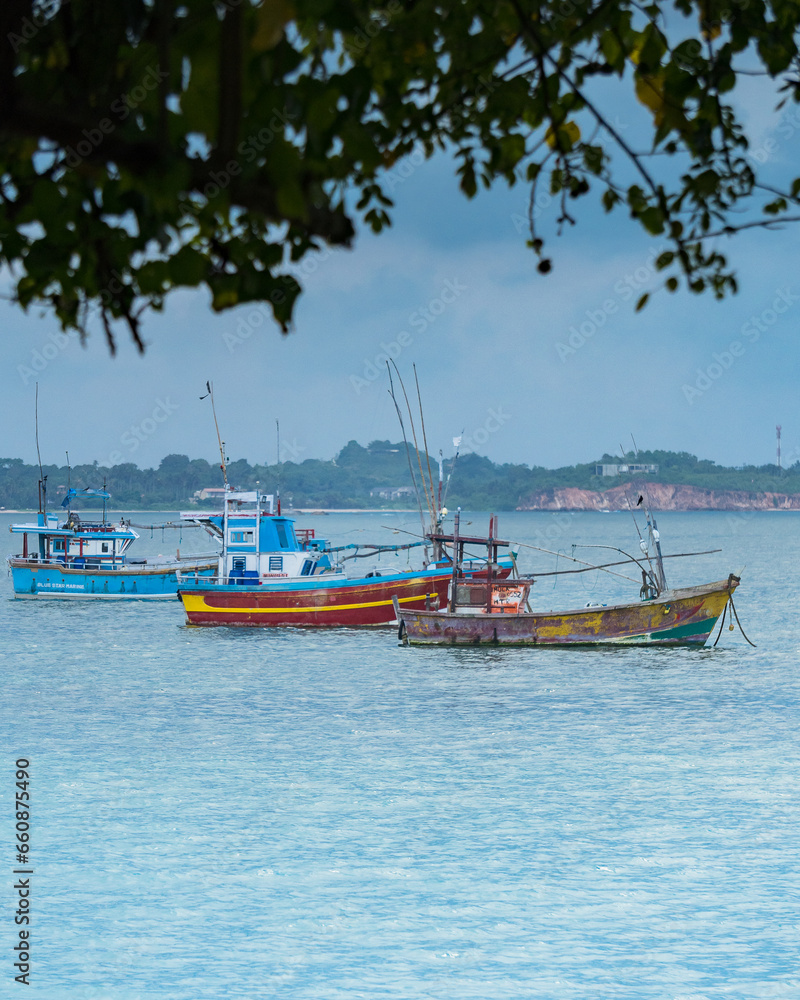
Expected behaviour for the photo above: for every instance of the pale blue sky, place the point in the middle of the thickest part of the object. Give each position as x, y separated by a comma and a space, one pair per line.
451, 287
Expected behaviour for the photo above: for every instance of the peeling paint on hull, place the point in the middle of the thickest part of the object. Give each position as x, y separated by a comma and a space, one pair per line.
682, 617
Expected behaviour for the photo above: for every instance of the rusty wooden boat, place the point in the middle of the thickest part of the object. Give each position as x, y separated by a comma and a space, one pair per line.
683, 617
498, 612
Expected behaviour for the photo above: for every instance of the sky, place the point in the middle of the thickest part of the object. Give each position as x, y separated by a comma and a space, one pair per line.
545, 370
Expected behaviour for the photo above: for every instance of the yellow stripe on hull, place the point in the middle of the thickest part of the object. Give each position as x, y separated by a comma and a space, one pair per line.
196, 602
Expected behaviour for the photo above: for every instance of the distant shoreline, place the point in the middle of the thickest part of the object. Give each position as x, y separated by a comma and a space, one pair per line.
311, 511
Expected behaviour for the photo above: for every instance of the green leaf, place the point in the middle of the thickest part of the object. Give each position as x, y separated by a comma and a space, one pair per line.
188, 267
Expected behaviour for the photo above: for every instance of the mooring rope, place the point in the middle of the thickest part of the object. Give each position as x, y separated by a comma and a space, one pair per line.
733, 609
722, 621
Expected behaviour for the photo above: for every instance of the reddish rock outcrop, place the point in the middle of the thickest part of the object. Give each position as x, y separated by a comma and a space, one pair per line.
662, 496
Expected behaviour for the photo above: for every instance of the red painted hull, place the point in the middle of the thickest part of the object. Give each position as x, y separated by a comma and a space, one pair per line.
367, 603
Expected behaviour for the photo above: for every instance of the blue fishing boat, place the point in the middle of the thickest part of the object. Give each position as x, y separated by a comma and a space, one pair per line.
77, 558
271, 573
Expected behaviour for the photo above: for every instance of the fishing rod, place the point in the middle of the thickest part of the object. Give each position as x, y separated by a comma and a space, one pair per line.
424, 441
408, 454
429, 498
376, 550
563, 555
589, 567
615, 548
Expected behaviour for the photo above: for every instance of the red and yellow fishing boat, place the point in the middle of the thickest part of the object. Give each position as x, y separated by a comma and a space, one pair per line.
270, 573
337, 601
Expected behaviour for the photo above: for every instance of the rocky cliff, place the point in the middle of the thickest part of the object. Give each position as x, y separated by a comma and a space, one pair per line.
662, 496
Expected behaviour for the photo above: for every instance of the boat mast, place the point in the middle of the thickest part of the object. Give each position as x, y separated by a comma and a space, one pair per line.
278, 463
655, 537
456, 562
42, 477
220, 442
223, 466
652, 529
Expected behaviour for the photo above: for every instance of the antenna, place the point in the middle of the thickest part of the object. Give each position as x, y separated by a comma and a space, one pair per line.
456, 445
778, 432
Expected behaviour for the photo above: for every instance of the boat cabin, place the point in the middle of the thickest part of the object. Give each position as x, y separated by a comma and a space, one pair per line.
74, 543
259, 544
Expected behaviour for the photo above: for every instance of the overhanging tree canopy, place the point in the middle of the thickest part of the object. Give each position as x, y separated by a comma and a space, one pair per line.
147, 145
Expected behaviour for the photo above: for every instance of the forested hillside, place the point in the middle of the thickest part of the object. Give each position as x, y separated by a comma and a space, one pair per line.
357, 476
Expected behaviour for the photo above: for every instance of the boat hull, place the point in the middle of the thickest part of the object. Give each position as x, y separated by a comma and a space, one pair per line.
45, 580
683, 617
348, 603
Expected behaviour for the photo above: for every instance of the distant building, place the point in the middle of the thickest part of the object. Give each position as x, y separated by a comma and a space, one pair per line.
393, 492
210, 493
626, 470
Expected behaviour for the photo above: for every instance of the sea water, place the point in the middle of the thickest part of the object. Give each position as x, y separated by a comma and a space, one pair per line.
290, 814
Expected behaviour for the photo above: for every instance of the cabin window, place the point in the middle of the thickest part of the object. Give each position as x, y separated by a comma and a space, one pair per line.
241, 537
283, 541
58, 544
276, 564
105, 547
308, 566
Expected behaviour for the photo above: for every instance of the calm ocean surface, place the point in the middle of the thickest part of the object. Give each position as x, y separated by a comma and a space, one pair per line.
296, 814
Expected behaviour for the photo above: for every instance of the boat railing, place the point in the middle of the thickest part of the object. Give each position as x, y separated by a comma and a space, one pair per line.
76, 562
249, 578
